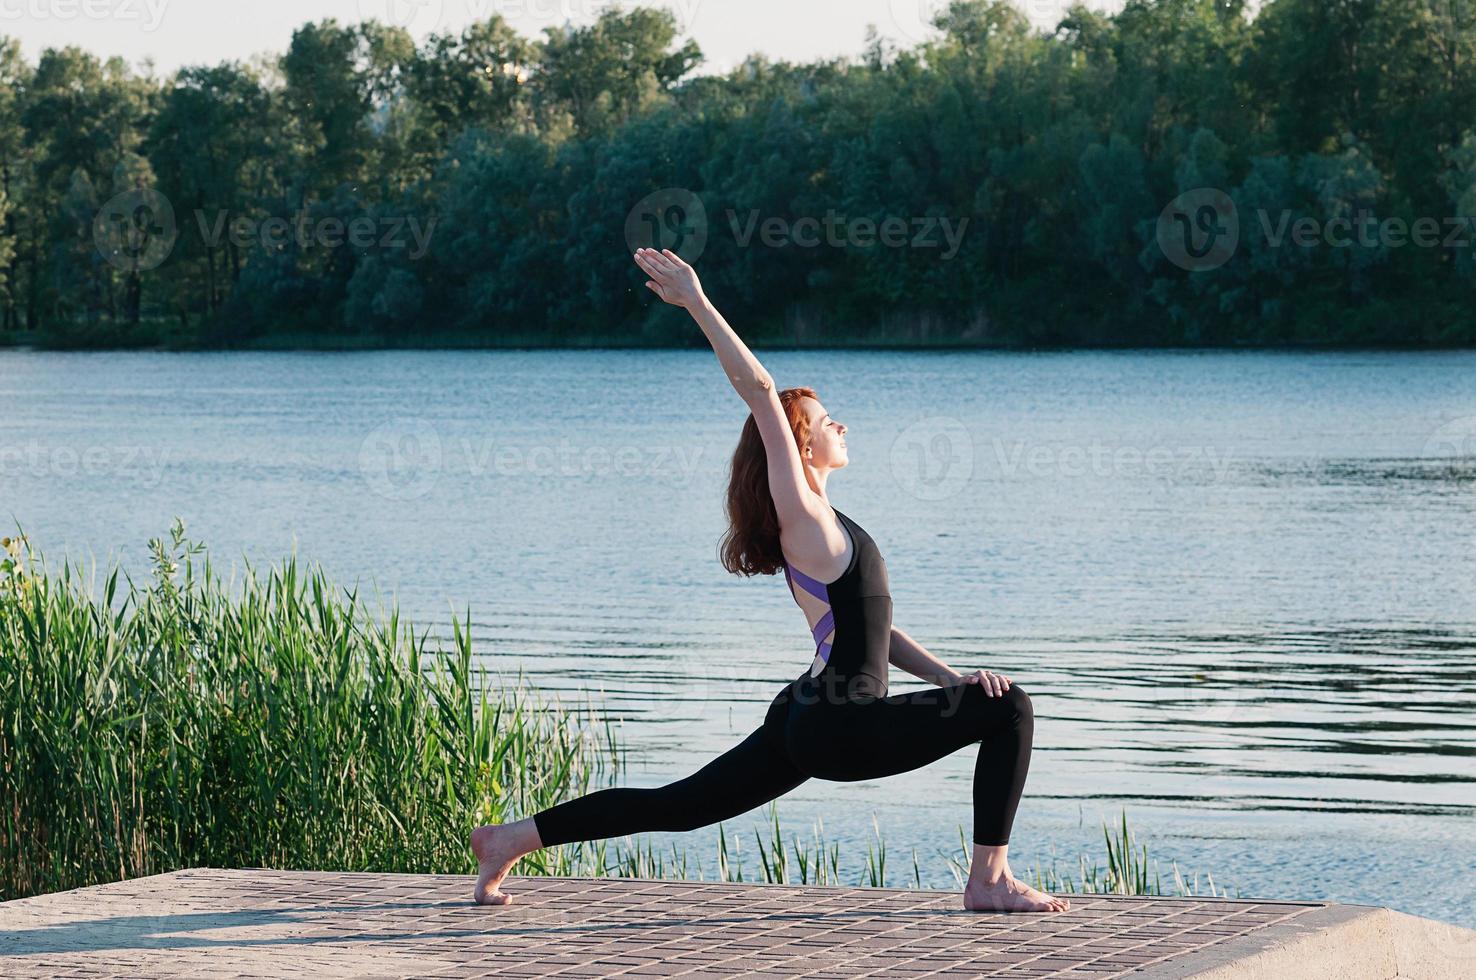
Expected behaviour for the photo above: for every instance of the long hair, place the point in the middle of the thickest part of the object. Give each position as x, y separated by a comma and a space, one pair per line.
751, 544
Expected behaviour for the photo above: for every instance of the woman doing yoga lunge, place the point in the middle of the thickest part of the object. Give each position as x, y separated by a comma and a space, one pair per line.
835, 720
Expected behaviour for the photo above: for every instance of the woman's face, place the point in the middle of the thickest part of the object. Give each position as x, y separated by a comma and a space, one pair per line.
827, 448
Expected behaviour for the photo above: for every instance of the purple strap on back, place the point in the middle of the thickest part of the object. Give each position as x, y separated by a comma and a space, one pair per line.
820, 591
813, 586
825, 623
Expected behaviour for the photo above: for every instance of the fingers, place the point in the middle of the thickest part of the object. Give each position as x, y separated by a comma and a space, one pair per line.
995, 684
660, 258
644, 261
664, 259
666, 265
655, 261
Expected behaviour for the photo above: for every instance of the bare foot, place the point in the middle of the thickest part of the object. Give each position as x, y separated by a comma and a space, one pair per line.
494, 860
1010, 894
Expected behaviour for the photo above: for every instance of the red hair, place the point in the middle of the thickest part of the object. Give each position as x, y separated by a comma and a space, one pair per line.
751, 544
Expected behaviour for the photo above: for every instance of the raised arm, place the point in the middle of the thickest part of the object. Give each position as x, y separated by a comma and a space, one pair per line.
676, 282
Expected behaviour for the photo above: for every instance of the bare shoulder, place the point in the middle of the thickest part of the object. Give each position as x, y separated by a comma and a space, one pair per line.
815, 542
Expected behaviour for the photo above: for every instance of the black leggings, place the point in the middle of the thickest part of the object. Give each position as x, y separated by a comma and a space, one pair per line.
804, 735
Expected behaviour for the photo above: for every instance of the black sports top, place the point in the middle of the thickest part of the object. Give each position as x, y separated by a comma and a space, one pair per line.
853, 637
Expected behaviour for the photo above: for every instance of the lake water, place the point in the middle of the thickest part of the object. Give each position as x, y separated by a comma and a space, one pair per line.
1240, 587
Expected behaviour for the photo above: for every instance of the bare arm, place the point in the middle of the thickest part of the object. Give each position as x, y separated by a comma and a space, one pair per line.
676, 282
909, 655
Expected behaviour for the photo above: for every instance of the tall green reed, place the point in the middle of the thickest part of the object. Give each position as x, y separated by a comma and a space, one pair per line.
150, 726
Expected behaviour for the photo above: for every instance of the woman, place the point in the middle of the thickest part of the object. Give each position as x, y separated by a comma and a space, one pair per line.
834, 721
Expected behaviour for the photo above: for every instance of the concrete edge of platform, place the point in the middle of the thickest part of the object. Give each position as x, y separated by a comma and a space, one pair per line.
1305, 940
1336, 942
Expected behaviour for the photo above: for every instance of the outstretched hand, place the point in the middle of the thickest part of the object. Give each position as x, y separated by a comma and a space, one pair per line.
671, 278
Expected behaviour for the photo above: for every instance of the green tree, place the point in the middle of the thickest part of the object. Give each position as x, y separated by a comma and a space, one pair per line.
1050, 154
603, 74
477, 79
212, 146
328, 94
14, 168
82, 117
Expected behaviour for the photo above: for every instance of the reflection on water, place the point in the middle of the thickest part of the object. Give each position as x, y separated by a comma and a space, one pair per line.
1239, 587
1456, 475
1357, 720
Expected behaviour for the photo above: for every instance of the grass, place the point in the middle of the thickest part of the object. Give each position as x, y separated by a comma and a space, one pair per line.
271, 722
278, 721
1128, 869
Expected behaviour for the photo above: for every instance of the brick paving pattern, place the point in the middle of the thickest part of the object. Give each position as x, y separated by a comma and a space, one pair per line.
257, 923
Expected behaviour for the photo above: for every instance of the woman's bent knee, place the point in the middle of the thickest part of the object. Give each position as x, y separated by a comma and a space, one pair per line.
1017, 697
1012, 707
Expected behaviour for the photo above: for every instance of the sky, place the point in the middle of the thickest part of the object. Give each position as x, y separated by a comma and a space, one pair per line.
184, 32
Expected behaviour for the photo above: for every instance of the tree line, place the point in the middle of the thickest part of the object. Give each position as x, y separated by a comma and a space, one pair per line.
1180, 172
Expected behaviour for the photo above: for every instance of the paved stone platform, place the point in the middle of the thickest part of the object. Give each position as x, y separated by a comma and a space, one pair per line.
211, 923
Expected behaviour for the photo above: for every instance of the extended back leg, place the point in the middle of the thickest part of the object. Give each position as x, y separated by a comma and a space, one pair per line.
748, 775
